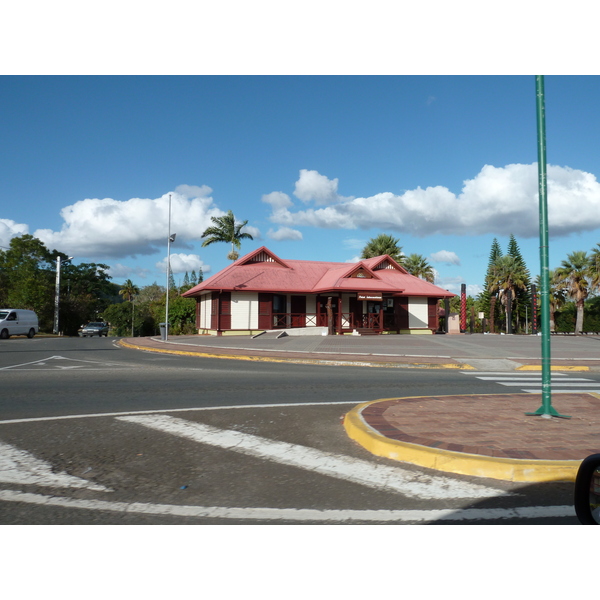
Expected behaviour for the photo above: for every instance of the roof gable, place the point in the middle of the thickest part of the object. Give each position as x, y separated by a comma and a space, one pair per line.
264, 256
361, 271
377, 263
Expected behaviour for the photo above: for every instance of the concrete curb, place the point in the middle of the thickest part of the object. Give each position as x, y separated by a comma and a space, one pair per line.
506, 469
312, 361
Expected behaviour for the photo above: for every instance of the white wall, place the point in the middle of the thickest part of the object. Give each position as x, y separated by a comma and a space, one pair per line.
205, 303
417, 312
244, 310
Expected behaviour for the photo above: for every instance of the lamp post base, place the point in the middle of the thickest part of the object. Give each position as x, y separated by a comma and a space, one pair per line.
547, 413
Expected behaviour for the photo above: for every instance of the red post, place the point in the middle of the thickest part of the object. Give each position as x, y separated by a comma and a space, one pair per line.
463, 308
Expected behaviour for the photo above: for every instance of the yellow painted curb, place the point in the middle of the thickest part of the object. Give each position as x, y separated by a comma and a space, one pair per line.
552, 368
506, 469
322, 361
203, 354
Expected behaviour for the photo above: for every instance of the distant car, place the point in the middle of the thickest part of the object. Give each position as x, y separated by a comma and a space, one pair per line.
15, 321
92, 329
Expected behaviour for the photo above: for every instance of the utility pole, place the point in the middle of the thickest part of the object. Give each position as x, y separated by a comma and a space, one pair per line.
55, 328
546, 410
170, 239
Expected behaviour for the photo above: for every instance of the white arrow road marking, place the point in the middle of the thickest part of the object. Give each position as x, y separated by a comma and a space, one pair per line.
45, 362
18, 466
383, 477
293, 514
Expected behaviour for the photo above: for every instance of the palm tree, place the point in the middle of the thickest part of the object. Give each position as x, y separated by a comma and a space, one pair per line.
576, 272
507, 274
129, 290
595, 267
417, 265
557, 295
383, 244
225, 229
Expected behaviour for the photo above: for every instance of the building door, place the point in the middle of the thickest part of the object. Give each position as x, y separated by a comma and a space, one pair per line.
298, 311
265, 311
279, 311
356, 311
401, 312
220, 311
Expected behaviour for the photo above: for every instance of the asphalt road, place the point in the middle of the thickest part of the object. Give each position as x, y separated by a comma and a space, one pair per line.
228, 442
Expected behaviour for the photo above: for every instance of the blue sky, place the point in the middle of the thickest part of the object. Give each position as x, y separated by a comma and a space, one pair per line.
317, 164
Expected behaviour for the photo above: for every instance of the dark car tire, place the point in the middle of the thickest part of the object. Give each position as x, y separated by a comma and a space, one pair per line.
4, 334
31, 333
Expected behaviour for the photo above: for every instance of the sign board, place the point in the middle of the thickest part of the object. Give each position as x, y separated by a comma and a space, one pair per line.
369, 296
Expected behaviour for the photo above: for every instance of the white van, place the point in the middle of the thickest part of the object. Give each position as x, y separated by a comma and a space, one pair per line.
14, 321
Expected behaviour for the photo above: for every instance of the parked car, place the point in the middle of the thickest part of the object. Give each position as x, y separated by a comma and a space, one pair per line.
92, 329
587, 491
15, 321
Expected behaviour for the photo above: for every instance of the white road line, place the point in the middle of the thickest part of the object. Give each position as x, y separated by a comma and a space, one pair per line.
43, 362
292, 514
18, 466
559, 391
554, 384
384, 477
503, 373
531, 379
172, 410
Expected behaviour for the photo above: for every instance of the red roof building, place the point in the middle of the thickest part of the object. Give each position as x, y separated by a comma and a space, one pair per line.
262, 292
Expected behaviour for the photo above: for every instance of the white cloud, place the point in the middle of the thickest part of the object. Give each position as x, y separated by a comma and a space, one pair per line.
194, 191
180, 263
9, 229
253, 231
453, 284
119, 271
474, 290
445, 256
355, 259
498, 200
312, 186
139, 226
284, 233
278, 200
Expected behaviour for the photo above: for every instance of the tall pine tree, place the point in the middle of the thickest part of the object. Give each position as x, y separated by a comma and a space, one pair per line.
485, 296
523, 297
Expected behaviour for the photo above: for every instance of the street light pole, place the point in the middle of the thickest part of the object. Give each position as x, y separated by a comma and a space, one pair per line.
55, 329
546, 410
170, 239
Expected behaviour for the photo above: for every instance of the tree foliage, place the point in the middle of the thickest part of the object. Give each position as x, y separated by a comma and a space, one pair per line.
576, 272
28, 280
225, 229
383, 244
417, 265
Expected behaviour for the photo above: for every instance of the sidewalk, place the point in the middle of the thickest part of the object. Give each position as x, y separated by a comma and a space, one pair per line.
484, 436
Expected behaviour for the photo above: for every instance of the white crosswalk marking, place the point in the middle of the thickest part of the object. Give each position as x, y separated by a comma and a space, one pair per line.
532, 383
18, 466
296, 514
383, 477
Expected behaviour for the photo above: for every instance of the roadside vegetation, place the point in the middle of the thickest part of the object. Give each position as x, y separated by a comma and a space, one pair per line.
28, 279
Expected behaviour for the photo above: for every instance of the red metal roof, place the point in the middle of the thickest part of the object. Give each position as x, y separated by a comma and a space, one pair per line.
263, 271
